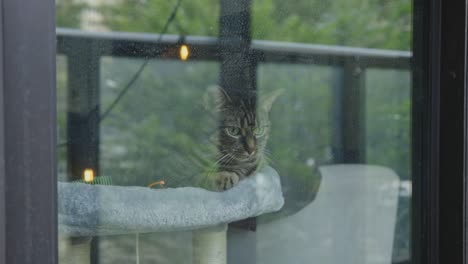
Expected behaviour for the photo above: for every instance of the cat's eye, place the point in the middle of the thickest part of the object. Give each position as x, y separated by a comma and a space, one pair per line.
233, 131
259, 131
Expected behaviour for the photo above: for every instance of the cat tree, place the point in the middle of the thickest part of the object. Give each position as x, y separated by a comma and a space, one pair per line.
93, 210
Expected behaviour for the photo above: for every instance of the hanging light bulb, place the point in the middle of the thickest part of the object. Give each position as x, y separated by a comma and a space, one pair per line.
88, 175
184, 52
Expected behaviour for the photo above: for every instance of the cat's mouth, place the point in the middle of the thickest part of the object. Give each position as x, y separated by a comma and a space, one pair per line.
246, 156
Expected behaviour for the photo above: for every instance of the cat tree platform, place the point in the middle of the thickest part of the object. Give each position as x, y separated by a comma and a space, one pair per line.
93, 210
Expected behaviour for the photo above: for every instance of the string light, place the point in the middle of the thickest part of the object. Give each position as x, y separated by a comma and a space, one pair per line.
88, 175
184, 52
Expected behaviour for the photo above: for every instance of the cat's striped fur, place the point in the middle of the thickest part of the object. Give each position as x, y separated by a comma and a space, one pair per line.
244, 128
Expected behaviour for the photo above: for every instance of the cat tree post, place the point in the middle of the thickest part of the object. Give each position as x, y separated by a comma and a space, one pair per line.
210, 245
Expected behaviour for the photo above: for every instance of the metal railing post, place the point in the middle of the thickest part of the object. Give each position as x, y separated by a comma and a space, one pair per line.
349, 145
238, 78
83, 116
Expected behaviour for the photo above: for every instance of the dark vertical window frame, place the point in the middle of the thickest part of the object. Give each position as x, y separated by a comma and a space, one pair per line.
439, 134
2, 154
465, 200
28, 131
452, 132
238, 78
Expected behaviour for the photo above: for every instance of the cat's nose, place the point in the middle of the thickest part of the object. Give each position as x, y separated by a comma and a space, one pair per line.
251, 151
250, 146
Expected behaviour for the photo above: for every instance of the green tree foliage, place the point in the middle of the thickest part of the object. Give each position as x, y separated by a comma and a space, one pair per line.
68, 13
364, 23
193, 17
381, 24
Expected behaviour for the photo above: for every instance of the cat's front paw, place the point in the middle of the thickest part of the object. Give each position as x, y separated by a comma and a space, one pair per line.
226, 180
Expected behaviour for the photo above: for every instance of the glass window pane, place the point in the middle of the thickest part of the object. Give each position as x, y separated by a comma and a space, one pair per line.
183, 148
61, 116
388, 124
151, 114
306, 109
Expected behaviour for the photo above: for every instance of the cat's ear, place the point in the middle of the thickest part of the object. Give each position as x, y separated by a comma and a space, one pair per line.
214, 98
267, 101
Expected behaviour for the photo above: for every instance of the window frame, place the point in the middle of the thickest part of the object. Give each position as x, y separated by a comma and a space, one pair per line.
28, 209
439, 101
28, 212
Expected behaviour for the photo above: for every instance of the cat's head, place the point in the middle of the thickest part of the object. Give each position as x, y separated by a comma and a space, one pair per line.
244, 124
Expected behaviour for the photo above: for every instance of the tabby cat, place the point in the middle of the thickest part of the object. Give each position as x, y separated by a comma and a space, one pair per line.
236, 129
244, 128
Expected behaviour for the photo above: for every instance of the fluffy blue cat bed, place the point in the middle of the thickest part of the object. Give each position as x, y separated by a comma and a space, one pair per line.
92, 210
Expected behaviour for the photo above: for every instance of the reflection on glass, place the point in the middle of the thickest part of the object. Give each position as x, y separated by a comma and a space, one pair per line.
388, 140
164, 110
142, 117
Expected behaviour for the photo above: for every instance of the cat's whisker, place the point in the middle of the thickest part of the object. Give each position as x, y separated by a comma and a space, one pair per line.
229, 160
269, 161
268, 157
224, 160
220, 158
267, 151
